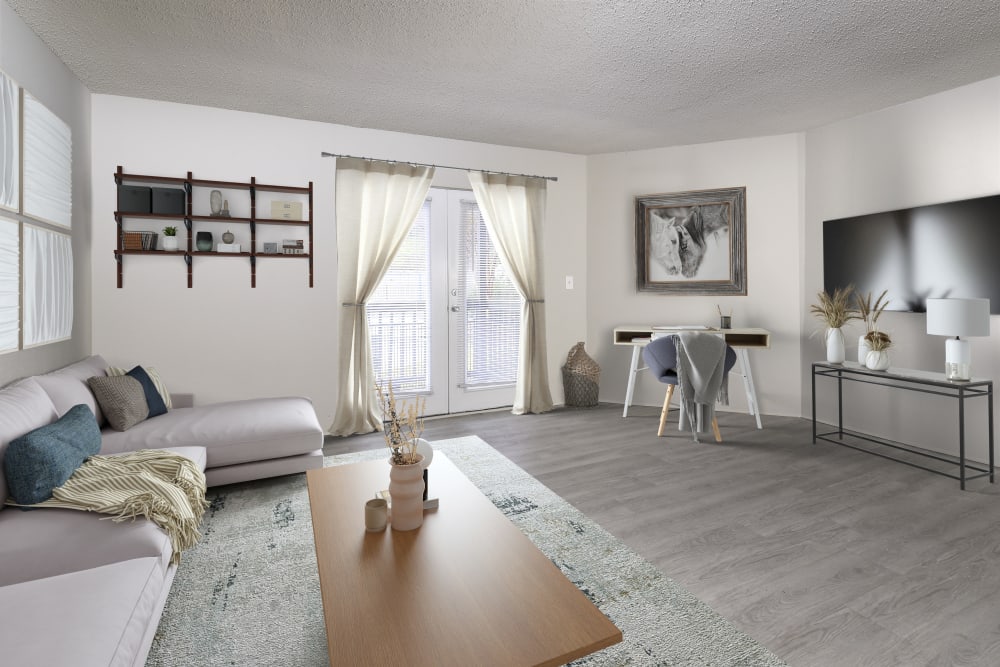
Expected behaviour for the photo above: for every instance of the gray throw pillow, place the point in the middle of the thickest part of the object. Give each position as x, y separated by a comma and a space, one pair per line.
43, 459
122, 400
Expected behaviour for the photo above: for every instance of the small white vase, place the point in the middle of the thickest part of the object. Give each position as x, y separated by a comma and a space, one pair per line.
834, 346
170, 243
863, 349
877, 361
406, 488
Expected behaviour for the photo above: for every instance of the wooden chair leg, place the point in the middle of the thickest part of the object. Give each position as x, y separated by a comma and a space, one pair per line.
715, 429
666, 407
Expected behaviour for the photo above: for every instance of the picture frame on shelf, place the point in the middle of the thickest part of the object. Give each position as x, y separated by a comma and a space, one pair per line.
692, 242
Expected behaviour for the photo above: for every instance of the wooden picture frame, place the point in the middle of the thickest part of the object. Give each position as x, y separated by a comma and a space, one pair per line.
692, 242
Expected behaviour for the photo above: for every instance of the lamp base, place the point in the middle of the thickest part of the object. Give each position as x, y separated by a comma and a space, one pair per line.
957, 359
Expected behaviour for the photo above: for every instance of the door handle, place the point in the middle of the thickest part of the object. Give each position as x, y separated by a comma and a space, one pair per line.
454, 309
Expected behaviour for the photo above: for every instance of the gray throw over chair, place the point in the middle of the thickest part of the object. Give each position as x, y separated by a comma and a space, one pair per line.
660, 356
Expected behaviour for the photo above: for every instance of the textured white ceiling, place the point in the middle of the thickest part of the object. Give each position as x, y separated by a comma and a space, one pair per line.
573, 75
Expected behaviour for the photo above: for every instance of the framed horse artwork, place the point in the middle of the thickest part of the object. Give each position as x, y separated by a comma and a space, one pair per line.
692, 242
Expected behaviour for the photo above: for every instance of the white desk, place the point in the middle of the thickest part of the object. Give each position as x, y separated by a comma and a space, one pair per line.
741, 340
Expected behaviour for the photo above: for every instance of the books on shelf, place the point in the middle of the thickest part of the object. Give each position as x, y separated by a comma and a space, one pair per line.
293, 246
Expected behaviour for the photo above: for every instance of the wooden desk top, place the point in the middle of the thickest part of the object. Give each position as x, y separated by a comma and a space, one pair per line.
745, 337
465, 588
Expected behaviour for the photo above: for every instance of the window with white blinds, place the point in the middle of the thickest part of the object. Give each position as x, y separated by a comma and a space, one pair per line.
399, 314
488, 342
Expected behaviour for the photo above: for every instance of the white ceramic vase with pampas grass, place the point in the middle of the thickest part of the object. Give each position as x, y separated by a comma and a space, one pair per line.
835, 311
402, 426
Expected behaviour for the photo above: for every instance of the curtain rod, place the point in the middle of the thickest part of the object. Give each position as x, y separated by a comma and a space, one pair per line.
437, 166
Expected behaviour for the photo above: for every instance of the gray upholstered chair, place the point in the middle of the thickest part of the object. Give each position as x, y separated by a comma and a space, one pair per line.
660, 356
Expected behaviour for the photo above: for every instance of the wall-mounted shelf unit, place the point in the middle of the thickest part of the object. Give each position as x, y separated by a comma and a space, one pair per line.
191, 221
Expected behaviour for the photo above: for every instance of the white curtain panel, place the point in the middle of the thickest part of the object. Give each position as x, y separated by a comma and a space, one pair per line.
377, 203
10, 285
10, 144
48, 286
513, 208
48, 181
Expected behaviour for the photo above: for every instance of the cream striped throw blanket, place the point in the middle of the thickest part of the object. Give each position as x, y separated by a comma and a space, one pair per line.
166, 488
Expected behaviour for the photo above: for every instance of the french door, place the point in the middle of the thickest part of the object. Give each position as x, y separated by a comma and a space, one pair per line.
445, 320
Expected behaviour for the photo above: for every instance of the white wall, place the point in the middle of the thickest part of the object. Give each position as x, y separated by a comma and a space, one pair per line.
222, 340
770, 168
26, 59
936, 149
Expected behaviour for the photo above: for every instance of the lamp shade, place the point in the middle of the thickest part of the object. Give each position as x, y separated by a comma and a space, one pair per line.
958, 317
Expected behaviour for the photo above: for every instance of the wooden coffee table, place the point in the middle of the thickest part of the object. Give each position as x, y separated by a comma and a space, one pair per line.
466, 588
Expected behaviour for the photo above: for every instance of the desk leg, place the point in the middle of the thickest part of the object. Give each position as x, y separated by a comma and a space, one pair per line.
744, 356
632, 370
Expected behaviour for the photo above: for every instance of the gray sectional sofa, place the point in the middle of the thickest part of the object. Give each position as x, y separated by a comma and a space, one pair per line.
79, 590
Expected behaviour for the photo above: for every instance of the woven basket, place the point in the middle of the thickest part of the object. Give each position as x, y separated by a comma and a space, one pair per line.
139, 240
581, 378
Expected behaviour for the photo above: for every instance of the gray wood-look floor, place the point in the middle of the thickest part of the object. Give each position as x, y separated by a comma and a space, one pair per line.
825, 555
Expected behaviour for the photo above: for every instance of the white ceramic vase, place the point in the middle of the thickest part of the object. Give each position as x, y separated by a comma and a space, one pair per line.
877, 361
834, 346
863, 349
406, 488
170, 243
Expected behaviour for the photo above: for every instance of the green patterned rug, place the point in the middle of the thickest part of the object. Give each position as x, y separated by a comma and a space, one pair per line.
248, 594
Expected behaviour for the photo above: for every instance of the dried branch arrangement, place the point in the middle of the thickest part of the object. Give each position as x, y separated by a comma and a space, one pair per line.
402, 425
869, 312
835, 310
878, 341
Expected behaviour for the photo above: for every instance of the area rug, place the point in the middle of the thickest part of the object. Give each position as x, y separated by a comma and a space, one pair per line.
248, 594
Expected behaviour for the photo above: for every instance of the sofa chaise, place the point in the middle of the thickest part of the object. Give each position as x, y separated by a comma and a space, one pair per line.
78, 589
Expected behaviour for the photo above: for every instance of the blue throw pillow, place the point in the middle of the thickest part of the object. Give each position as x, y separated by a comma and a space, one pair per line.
44, 459
153, 398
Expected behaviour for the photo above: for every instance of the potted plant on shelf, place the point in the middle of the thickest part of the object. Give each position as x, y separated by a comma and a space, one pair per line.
402, 427
835, 311
877, 358
868, 313
170, 238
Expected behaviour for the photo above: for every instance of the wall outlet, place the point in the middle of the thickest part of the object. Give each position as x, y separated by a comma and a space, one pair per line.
569, 282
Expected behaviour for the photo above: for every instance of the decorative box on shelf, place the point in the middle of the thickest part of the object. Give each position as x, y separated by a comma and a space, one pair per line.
227, 247
286, 210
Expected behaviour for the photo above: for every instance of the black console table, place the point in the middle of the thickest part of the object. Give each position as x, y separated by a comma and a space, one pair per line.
911, 380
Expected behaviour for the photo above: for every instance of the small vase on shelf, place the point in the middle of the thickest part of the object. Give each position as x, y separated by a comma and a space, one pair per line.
877, 360
834, 346
406, 488
863, 349
204, 241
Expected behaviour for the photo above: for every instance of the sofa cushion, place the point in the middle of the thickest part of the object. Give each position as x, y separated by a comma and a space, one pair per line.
153, 399
96, 616
154, 375
67, 386
24, 406
47, 542
40, 460
122, 399
236, 432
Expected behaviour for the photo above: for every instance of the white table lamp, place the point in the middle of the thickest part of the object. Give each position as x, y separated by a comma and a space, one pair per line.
958, 317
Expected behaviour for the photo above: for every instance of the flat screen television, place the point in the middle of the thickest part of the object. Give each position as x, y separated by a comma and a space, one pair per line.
937, 251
